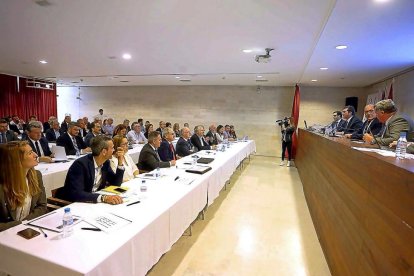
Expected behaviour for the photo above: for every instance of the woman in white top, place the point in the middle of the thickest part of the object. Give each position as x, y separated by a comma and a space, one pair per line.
219, 134
22, 194
131, 169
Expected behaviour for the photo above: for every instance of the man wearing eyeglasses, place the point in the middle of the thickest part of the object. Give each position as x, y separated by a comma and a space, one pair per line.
371, 124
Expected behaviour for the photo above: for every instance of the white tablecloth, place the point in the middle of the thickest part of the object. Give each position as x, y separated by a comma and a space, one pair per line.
166, 210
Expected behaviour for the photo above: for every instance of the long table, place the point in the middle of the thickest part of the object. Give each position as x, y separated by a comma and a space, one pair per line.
361, 203
165, 212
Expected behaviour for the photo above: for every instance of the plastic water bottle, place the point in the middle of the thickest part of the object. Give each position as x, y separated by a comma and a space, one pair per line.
401, 146
158, 173
194, 160
67, 223
143, 189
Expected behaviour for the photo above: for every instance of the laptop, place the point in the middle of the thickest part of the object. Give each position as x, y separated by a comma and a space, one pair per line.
60, 154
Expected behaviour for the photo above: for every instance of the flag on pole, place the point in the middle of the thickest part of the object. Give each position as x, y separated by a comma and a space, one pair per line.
295, 118
391, 93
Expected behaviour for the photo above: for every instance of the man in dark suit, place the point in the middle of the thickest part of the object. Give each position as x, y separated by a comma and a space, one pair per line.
16, 125
53, 133
184, 146
93, 172
353, 123
38, 143
198, 140
338, 124
394, 124
161, 128
148, 158
6, 135
371, 124
71, 141
65, 124
47, 125
82, 129
211, 135
95, 131
166, 150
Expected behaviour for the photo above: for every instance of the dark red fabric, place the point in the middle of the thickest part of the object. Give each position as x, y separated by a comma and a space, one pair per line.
295, 115
391, 94
27, 102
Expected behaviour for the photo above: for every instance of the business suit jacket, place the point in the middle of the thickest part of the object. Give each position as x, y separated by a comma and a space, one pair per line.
212, 138
354, 124
338, 126
82, 133
16, 129
64, 126
88, 138
374, 126
46, 126
10, 136
51, 136
148, 159
397, 124
195, 140
65, 141
80, 179
42, 143
165, 152
183, 147
37, 207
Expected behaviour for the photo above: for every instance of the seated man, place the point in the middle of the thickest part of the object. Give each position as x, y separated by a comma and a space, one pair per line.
71, 141
83, 131
95, 131
394, 124
108, 128
93, 172
65, 124
211, 135
6, 135
148, 158
352, 123
371, 124
338, 124
166, 150
38, 143
135, 136
161, 128
17, 125
198, 139
184, 146
53, 133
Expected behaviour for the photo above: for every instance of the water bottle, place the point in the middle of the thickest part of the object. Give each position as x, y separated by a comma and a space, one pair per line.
401, 146
143, 188
158, 173
194, 160
67, 223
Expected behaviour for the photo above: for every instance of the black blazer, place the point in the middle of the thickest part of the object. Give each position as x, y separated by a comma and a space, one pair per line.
43, 143
37, 207
196, 142
338, 126
88, 138
183, 147
64, 126
213, 138
65, 141
10, 136
374, 127
80, 179
82, 133
16, 129
354, 124
289, 132
164, 151
46, 126
148, 159
51, 136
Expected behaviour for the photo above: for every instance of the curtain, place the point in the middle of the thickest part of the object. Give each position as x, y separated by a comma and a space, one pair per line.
27, 102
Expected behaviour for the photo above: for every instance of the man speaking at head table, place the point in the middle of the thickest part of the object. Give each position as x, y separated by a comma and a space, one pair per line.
371, 125
148, 158
394, 124
93, 172
352, 123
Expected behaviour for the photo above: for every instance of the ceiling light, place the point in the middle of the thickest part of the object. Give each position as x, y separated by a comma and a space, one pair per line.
177, 77
381, 1
43, 61
324, 68
314, 80
247, 51
260, 76
126, 56
341, 47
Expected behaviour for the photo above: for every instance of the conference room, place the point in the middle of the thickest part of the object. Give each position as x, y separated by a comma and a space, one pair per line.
203, 132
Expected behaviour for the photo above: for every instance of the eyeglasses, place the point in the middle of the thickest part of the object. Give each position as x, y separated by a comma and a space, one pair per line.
124, 144
370, 111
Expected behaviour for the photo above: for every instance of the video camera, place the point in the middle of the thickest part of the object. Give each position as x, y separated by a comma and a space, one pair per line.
284, 121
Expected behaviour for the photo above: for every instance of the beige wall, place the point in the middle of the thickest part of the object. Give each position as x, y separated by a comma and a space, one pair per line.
252, 112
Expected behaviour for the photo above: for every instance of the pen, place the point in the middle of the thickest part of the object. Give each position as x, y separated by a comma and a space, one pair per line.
176, 178
132, 203
91, 229
44, 234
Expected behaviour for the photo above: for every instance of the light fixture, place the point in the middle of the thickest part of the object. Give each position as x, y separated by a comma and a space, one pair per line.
43, 61
314, 80
324, 68
247, 51
259, 76
341, 47
177, 77
381, 1
126, 56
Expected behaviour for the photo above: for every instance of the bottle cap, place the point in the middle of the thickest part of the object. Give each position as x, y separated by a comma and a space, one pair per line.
67, 210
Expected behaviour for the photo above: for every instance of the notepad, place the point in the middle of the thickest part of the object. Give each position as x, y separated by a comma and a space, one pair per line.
115, 189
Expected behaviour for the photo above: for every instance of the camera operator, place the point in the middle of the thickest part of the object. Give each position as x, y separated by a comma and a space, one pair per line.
288, 129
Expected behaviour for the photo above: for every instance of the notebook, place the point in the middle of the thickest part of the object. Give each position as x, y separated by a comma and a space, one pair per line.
205, 160
60, 154
198, 170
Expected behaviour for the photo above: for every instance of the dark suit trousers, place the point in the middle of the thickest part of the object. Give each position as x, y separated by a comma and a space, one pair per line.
288, 146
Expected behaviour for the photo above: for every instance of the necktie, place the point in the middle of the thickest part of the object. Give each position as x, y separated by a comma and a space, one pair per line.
384, 128
3, 138
57, 134
172, 150
158, 157
38, 149
75, 145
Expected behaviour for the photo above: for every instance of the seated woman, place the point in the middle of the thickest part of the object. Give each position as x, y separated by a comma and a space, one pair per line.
232, 133
22, 194
148, 129
120, 129
219, 134
131, 169
176, 129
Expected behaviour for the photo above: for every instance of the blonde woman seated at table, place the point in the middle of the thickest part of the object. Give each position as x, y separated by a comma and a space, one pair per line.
220, 134
22, 194
131, 169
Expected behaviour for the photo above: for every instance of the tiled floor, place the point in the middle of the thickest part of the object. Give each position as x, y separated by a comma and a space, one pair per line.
259, 226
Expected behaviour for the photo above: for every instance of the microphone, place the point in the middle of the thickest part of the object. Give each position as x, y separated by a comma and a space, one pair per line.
375, 139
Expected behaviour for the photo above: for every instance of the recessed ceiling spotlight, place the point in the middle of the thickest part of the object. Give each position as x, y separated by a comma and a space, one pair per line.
43, 61
381, 1
126, 56
177, 77
341, 47
314, 80
259, 76
324, 68
247, 50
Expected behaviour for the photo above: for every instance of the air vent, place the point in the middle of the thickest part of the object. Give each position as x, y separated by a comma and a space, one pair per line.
185, 80
74, 82
43, 3
261, 80
123, 81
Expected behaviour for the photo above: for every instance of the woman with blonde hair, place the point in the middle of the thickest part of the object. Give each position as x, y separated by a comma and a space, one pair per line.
176, 129
131, 169
22, 194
